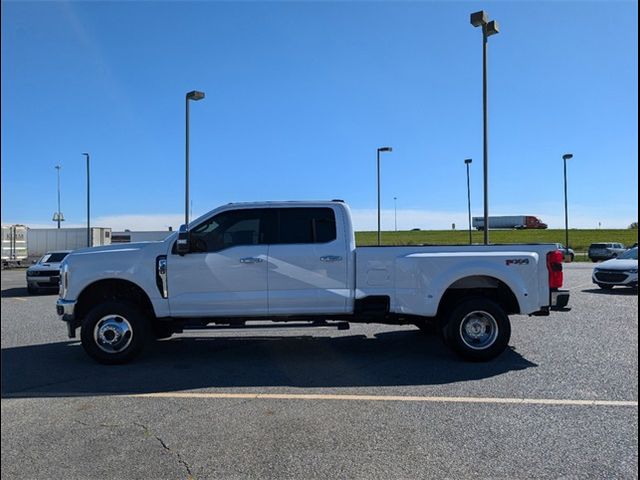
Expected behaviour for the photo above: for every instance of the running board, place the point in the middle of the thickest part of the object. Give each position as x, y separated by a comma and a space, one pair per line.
314, 324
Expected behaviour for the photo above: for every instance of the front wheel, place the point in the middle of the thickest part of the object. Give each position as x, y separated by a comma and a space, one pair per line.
478, 329
605, 286
114, 332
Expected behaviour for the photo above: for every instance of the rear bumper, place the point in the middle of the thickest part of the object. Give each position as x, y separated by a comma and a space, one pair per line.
559, 299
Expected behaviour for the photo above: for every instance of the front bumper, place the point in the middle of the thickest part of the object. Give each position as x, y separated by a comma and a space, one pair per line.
621, 278
43, 282
66, 309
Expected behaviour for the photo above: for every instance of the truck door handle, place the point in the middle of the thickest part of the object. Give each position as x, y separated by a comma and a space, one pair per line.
330, 258
250, 260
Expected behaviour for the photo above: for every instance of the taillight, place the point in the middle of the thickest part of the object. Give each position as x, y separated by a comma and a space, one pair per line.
554, 265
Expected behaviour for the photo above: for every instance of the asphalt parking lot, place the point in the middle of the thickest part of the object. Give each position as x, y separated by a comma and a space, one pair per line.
370, 402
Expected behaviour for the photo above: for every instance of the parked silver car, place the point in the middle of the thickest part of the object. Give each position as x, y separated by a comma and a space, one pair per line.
45, 273
568, 253
605, 250
622, 271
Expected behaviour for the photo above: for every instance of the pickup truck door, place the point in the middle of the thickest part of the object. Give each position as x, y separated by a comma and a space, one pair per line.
225, 274
307, 271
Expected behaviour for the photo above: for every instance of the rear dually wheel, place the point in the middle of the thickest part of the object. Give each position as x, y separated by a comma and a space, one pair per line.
478, 329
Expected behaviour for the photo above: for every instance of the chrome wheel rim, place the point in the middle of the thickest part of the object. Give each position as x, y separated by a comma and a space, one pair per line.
113, 333
478, 330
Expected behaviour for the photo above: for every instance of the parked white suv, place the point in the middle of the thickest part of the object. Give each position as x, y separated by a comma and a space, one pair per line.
298, 261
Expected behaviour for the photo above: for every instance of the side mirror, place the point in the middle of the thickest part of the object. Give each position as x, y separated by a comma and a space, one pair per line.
182, 245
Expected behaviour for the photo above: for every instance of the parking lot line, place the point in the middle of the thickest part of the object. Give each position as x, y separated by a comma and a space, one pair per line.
389, 398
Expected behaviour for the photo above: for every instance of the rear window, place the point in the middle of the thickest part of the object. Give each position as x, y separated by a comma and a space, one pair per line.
306, 225
599, 245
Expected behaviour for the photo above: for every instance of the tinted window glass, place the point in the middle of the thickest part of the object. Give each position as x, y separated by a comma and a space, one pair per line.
630, 254
306, 225
54, 257
232, 228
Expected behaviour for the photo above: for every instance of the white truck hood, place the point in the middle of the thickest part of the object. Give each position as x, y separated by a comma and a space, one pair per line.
120, 247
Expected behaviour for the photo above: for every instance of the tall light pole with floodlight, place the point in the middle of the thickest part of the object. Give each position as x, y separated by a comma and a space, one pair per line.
565, 157
195, 96
480, 19
57, 217
468, 162
395, 213
381, 149
88, 204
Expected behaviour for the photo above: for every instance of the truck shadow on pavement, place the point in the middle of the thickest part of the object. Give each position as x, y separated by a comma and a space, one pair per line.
15, 292
22, 292
393, 358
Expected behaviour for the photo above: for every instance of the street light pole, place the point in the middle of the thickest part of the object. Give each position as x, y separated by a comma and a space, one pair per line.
468, 162
381, 149
565, 157
88, 204
395, 214
58, 167
195, 96
488, 28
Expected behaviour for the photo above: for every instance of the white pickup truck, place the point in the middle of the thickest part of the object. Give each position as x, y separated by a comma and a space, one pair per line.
298, 261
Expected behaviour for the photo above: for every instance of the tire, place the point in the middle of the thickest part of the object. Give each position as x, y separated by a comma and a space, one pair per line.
111, 320
572, 256
605, 286
32, 290
478, 329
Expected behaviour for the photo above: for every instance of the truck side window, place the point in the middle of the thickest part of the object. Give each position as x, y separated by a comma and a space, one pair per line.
232, 228
306, 225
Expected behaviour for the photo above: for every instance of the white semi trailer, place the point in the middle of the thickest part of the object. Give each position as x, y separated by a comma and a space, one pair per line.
43, 240
14, 244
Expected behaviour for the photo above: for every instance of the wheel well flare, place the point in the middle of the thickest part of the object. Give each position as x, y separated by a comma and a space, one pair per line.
109, 290
479, 286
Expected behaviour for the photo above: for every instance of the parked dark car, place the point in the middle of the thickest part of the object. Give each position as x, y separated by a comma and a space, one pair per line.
605, 251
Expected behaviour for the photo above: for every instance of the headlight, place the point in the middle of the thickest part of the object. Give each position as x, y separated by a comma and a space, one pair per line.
633, 270
31, 273
64, 280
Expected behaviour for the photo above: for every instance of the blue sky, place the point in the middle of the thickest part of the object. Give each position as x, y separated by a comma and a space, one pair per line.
300, 94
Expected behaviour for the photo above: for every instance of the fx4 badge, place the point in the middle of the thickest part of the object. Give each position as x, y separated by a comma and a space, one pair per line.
517, 261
